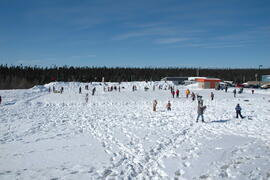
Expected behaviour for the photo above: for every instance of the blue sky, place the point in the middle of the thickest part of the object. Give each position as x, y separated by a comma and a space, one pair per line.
141, 33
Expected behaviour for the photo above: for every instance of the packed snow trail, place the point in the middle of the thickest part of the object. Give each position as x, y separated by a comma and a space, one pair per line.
117, 136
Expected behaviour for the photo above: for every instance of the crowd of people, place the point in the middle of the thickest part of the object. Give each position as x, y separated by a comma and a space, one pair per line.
200, 108
174, 92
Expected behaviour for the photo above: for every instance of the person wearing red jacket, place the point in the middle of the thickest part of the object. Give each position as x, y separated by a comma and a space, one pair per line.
177, 93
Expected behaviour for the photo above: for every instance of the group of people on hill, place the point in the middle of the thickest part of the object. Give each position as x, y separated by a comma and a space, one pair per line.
175, 93
168, 105
56, 91
200, 108
134, 88
93, 91
111, 88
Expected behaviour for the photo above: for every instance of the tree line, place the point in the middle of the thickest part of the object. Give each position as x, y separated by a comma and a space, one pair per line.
16, 77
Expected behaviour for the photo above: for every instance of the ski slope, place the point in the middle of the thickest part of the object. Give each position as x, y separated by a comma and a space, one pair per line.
116, 135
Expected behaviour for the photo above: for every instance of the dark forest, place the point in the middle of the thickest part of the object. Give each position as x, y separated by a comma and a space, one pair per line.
18, 77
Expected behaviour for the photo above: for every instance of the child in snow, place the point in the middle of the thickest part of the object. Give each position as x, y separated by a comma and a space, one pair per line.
252, 91
177, 93
173, 93
93, 91
234, 92
80, 90
200, 111
155, 105
238, 111
193, 96
86, 98
168, 106
212, 96
0, 99
187, 93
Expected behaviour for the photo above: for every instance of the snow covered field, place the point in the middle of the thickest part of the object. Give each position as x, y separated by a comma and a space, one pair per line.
116, 135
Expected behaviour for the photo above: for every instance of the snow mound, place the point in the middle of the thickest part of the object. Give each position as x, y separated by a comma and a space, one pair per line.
39, 88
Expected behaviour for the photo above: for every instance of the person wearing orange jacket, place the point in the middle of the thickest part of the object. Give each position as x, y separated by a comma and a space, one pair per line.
187, 93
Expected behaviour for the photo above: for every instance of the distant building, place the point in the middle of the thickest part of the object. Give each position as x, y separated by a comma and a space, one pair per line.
175, 80
207, 83
265, 78
191, 80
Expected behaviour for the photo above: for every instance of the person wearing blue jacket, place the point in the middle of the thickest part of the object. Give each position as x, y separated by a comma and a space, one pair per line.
238, 111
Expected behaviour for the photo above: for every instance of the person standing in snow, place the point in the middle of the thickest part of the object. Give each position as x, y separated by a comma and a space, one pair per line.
168, 106
155, 105
93, 91
177, 93
0, 99
193, 96
187, 93
238, 111
86, 98
226, 88
49, 89
234, 92
212, 96
62, 90
200, 111
173, 93
252, 91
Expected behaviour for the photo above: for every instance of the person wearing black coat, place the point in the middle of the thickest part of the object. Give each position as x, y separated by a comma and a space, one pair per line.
238, 111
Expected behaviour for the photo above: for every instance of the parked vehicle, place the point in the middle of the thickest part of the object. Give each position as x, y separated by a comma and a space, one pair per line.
265, 86
229, 83
239, 85
246, 85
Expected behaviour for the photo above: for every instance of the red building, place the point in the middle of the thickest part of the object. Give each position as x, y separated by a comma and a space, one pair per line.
208, 83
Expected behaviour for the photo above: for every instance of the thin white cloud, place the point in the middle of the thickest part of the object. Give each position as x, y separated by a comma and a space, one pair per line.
171, 40
248, 35
214, 45
162, 31
129, 35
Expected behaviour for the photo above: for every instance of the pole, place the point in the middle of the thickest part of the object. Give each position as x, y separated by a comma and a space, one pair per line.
259, 77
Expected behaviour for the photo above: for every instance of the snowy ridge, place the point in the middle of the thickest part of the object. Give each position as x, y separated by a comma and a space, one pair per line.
117, 136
